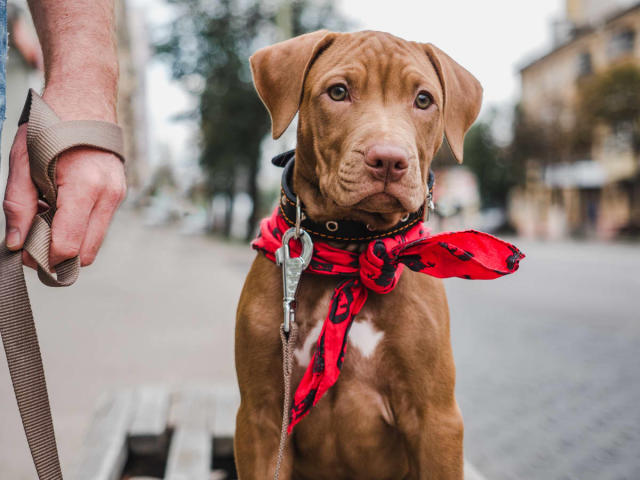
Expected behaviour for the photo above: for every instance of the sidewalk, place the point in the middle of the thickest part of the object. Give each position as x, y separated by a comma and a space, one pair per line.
156, 307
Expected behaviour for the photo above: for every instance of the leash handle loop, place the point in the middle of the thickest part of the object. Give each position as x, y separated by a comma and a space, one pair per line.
47, 138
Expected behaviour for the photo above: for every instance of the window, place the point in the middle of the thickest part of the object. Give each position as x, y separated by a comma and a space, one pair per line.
584, 64
621, 43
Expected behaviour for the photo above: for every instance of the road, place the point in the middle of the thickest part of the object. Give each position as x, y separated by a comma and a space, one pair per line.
548, 369
548, 364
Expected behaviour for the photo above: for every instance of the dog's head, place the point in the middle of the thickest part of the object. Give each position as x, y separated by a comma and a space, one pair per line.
373, 111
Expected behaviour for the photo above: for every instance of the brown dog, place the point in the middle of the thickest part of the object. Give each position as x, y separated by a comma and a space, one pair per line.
373, 109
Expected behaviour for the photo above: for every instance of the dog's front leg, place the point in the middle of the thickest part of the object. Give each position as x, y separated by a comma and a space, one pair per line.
259, 368
436, 451
257, 439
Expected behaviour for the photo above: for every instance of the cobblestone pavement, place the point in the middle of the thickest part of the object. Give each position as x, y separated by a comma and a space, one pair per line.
548, 370
548, 365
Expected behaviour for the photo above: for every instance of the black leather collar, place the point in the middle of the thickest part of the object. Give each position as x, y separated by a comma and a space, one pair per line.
339, 230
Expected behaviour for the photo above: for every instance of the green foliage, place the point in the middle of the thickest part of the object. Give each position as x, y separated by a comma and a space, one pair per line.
208, 45
545, 142
489, 163
493, 165
611, 98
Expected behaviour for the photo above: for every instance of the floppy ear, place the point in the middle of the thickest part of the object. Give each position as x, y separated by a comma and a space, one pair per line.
462, 97
279, 72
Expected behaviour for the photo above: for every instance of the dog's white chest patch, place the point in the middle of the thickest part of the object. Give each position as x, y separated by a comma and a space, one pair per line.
303, 352
364, 336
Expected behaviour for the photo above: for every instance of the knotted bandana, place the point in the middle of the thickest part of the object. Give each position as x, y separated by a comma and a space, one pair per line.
469, 254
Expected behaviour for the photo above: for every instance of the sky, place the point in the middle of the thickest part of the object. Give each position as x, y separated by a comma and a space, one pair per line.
491, 38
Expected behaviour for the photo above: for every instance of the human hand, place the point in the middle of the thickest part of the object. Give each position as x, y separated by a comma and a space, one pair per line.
91, 186
81, 77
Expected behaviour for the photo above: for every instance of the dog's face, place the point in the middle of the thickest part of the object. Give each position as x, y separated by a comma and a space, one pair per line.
373, 110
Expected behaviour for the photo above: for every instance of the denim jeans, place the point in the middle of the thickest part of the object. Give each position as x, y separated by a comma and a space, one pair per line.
3, 60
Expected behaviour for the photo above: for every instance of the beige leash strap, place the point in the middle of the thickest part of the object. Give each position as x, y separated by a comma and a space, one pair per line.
47, 137
288, 344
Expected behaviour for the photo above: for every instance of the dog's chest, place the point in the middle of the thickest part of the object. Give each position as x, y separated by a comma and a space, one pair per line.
351, 431
365, 336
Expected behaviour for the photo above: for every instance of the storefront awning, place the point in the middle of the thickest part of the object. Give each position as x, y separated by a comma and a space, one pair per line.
581, 174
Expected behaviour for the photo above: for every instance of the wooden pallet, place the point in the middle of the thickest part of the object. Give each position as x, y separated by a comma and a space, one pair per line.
152, 433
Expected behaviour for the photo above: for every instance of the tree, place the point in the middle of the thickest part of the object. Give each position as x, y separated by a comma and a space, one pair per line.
208, 46
612, 98
489, 163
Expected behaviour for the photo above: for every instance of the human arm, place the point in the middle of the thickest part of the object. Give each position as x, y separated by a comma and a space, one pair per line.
81, 77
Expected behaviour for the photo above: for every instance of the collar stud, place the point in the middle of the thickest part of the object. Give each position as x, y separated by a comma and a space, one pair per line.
331, 225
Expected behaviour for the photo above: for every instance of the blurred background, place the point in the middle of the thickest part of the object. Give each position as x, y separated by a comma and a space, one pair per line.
548, 363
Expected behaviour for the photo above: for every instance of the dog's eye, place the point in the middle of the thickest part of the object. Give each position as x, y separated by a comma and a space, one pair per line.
423, 100
338, 92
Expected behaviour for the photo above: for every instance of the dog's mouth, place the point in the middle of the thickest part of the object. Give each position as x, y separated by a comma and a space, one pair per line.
378, 204
381, 198
381, 202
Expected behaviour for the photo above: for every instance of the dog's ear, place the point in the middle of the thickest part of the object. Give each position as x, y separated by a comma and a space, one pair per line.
462, 97
279, 72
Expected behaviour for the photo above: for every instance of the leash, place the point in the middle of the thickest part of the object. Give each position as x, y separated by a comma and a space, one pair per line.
47, 137
292, 268
288, 344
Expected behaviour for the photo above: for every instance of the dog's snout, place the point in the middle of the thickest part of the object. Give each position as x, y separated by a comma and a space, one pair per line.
386, 162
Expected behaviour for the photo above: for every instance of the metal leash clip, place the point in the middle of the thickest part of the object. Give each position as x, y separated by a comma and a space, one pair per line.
292, 267
430, 206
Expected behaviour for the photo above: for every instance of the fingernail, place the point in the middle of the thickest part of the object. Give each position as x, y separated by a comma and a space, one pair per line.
13, 238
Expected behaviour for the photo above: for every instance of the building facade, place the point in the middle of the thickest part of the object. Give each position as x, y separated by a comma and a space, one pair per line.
594, 192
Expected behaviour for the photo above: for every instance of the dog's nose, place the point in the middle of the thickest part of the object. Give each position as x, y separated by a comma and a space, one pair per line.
386, 162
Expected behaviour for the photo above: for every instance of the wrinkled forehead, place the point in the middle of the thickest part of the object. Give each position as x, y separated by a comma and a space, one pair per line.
374, 61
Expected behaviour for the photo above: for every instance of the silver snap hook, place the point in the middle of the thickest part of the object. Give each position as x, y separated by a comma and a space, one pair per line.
405, 218
292, 268
430, 206
298, 217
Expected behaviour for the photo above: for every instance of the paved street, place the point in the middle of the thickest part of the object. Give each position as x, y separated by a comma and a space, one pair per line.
548, 360
548, 365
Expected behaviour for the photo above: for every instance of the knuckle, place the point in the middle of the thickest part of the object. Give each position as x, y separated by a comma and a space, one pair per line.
94, 181
13, 208
65, 242
115, 193
64, 250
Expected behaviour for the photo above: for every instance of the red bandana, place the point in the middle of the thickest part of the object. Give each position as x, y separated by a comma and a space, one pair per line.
469, 254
